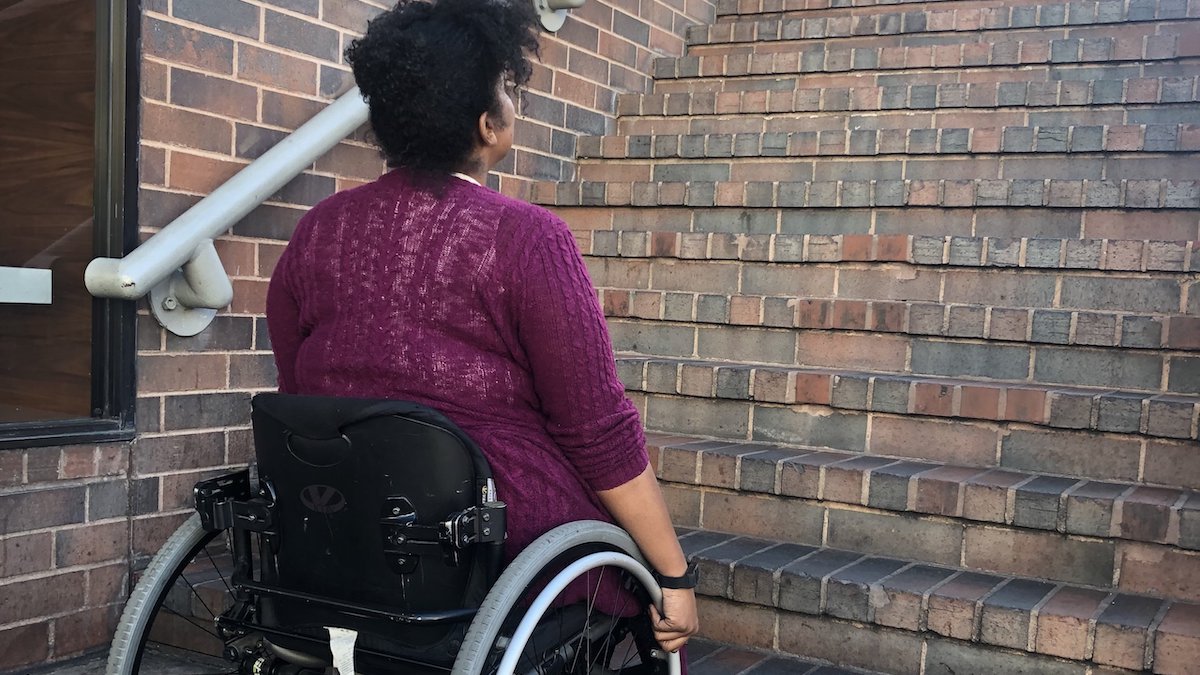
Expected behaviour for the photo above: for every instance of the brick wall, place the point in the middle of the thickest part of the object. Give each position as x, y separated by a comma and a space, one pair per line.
222, 81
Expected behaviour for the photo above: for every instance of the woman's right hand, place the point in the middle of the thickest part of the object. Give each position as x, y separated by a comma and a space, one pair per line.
681, 621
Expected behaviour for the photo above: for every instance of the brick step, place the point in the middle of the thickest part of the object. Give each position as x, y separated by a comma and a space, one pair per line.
1112, 255
706, 657
1004, 223
724, 187
898, 616
1134, 100
1170, 42
724, 141
902, 354
961, 320
1037, 77
726, 9
1102, 40
999, 521
1104, 410
835, 480
1131, 10
961, 17
895, 126
1150, 180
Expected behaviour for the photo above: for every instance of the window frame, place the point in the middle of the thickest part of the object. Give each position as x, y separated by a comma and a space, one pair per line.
114, 389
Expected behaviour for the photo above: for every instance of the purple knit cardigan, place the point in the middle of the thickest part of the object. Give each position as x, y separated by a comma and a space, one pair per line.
431, 289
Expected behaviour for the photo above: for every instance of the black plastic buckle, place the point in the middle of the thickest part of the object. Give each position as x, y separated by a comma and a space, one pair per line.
225, 502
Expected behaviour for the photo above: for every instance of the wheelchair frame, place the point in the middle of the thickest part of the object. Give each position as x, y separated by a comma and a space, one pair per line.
250, 627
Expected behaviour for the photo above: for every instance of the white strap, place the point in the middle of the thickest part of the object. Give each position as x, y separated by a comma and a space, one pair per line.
465, 177
341, 643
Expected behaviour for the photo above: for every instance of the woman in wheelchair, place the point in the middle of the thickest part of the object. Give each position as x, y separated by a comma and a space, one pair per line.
429, 288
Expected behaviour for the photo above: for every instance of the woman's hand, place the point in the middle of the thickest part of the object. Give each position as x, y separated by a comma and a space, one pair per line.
681, 621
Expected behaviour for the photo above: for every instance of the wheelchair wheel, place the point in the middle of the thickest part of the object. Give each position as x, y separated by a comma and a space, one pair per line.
174, 606
519, 628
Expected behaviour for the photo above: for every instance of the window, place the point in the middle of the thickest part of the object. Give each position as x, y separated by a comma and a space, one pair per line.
66, 359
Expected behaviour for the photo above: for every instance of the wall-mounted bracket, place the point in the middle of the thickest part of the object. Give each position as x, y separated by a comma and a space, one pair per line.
553, 13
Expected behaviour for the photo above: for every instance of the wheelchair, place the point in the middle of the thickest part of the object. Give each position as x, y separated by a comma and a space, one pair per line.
372, 535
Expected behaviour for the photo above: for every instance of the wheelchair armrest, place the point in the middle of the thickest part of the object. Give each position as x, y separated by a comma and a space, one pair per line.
226, 501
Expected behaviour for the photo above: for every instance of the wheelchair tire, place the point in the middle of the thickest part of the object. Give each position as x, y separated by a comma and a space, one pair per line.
478, 657
148, 597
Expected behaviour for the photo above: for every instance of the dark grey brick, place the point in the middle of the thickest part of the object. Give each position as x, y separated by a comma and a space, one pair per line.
733, 382
952, 657
1185, 375
758, 470
1170, 417
955, 140
108, 499
1051, 326
966, 251
715, 564
1108, 293
848, 593
753, 575
889, 485
843, 431
1089, 508
850, 391
890, 395
950, 358
800, 582
1119, 412
1089, 367
198, 411
1007, 612
1037, 502
233, 16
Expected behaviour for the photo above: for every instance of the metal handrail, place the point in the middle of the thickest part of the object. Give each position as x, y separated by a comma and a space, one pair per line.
178, 266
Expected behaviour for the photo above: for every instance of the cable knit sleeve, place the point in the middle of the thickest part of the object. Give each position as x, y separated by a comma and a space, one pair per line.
283, 322
562, 331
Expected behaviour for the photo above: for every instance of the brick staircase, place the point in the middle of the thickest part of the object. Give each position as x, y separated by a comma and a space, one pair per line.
907, 293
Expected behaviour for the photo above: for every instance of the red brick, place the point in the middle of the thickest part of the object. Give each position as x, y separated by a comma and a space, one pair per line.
23, 645
91, 544
25, 554
952, 605
849, 314
1177, 641
932, 398
1063, 623
933, 440
857, 246
813, 388
85, 630
986, 495
185, 372
814, 314
1040, 555
1163, 571
939, 490
42, 596
980, 402
1025, 405
200, 174
736, 623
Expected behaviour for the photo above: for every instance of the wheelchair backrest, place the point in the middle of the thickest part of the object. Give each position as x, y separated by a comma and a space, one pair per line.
347, 476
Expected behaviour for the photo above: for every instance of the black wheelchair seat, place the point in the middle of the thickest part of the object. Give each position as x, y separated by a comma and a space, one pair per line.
350, 531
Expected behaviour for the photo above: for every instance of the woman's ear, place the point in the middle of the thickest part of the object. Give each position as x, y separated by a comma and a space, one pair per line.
487, 130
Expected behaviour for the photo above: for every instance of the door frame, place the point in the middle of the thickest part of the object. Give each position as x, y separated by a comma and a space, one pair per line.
114, 389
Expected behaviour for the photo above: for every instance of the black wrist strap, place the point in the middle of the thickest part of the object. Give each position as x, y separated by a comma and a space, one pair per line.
689, 580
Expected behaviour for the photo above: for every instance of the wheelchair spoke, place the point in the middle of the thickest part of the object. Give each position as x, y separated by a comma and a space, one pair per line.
217, 569
192, 621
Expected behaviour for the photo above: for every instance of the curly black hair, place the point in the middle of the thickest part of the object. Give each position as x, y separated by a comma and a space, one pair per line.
428, 70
